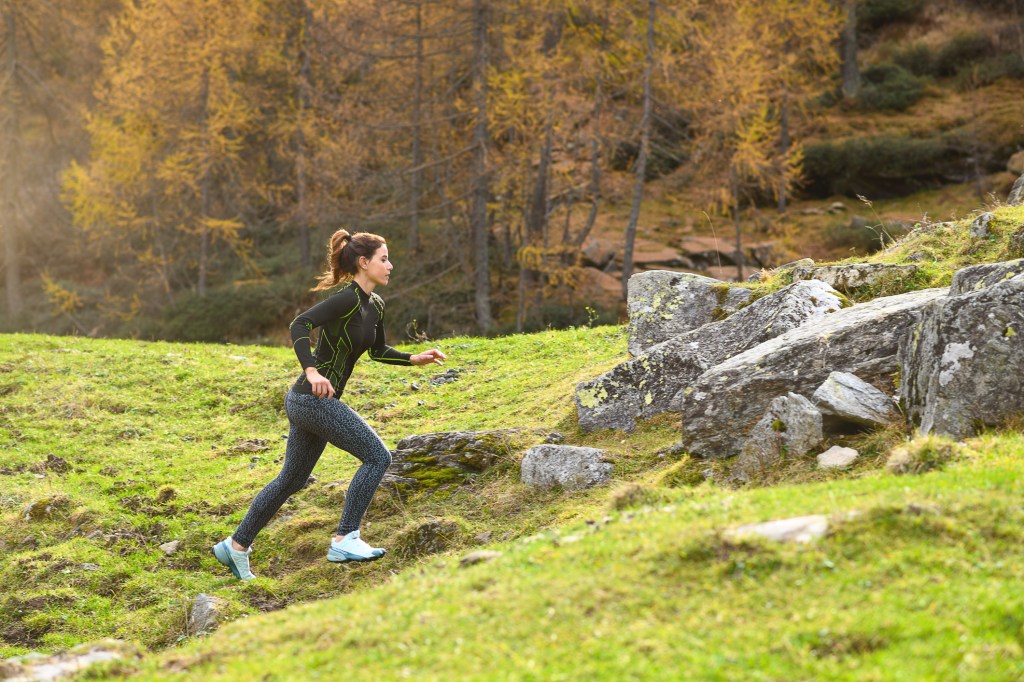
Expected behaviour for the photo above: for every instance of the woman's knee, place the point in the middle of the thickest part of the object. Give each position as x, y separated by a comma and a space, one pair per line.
379, 456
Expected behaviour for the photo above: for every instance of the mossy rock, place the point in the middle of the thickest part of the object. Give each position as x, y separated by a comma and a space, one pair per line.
433, 460
430, 537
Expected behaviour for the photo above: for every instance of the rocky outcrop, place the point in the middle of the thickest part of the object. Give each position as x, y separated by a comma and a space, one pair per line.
663, 304
723, 404
846, 278
432, 459
977, 277
650, 384
790, 428
844, 397
546, 466
962, 365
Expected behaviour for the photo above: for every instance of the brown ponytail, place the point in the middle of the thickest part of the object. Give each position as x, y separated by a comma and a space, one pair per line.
343, 252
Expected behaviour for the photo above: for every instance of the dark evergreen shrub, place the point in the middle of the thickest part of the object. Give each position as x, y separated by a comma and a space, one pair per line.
888, 86
874, 14
963, 49
990, 70
917, 59
878, 167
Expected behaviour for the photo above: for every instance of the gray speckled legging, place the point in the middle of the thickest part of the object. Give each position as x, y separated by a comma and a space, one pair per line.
314, 423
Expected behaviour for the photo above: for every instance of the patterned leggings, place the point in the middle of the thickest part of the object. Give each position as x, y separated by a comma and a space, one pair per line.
314, 423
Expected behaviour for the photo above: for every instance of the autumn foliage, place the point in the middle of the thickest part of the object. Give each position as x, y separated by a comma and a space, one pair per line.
485, 137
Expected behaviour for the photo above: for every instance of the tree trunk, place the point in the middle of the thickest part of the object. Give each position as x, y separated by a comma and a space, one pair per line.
417, 150
784, 143
641, 160
595, 140
204, 191
9, 218
736, 218
537, 218
301, 152
848, 51
481, 190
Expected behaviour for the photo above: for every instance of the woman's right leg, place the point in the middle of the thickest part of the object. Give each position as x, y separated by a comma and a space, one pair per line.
301, 455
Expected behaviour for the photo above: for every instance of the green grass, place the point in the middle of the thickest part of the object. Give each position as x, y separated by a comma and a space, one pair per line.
171, 442
917, 578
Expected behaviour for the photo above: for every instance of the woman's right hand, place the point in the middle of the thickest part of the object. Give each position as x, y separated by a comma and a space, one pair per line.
321, 386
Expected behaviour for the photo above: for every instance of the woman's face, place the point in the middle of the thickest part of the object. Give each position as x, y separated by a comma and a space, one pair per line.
378, 267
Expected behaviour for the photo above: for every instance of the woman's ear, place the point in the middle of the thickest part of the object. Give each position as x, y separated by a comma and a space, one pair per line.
363, 262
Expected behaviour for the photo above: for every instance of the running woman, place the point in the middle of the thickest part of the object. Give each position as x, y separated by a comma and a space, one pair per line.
351, 322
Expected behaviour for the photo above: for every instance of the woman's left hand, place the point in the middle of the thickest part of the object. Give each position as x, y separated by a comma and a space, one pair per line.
428, 356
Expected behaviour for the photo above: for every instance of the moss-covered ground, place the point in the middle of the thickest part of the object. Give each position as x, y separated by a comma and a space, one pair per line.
118, 447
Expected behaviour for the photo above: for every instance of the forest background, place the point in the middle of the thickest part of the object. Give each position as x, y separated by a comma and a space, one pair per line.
172, 169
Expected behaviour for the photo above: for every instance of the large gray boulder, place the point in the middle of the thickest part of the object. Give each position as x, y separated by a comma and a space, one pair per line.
854, 275
962, 365
664, 304
845, 397
651, 383
790, 428
725, 402
545, 466
977, 277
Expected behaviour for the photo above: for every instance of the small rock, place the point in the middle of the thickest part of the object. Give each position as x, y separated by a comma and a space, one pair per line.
837, 457
57, 464
837, 207
483, 538
206, 611
89, 567
445, 377
791, 427
554, 438
846, 397
44, 509
478, 557
309, 481
251, 445
802, 529
39, 667
170, 548
429, 537
572, 467
979, 228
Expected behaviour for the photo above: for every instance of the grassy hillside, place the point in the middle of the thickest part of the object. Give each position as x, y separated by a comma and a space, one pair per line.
131, 445
160, 442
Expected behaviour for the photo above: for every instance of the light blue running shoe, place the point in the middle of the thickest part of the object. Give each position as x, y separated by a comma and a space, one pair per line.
236, 560
352, 548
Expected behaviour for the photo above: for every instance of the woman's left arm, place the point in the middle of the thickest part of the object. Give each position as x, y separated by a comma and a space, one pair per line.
382, 352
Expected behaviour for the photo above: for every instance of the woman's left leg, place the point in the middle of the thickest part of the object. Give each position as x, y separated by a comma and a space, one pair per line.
353, 435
